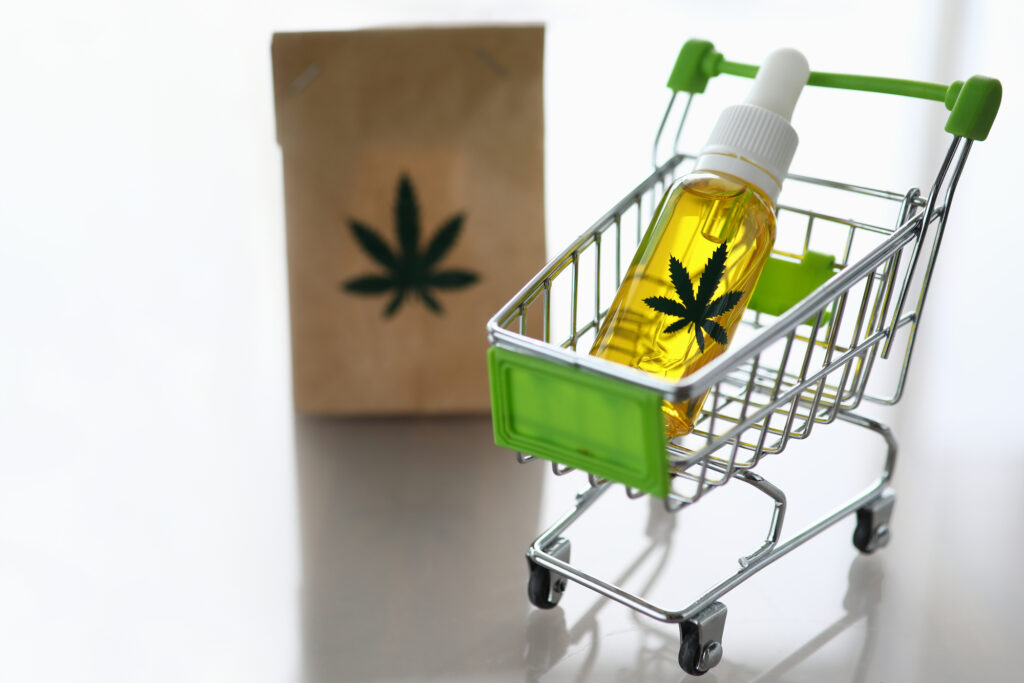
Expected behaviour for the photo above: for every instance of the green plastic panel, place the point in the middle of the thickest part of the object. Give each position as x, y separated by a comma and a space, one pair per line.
560, 413
783, 284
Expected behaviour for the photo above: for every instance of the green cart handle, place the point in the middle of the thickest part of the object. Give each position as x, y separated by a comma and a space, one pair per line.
973, 104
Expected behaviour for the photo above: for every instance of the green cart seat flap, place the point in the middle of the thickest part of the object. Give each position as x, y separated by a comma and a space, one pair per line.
601, 425
784, 284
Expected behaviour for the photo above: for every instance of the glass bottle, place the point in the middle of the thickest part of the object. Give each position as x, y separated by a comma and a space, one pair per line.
698, 263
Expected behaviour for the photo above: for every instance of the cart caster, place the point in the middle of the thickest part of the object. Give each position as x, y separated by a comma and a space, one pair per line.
873, 519
700, 648
546, 587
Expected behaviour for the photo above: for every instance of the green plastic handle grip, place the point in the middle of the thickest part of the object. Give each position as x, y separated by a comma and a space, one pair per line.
973, 104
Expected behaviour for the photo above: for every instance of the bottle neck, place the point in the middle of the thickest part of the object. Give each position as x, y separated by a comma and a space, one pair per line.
741, 168
753, 144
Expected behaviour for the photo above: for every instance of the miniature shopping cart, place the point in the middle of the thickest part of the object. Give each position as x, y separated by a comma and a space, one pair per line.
843, 312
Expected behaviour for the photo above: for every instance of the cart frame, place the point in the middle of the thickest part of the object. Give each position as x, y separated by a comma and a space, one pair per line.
810, 365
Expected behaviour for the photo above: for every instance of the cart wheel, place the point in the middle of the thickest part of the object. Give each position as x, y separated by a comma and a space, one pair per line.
546, 587
543, 591
873, 519
700, 648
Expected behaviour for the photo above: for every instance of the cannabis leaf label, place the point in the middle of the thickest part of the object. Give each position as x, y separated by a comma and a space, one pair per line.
697, 309
410, 270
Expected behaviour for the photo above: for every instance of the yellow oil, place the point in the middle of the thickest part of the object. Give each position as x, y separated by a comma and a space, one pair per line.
699, 214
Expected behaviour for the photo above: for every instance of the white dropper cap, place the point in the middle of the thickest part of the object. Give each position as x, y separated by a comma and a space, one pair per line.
754, 141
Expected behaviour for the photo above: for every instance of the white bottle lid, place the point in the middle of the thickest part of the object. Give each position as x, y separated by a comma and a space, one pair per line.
754, 141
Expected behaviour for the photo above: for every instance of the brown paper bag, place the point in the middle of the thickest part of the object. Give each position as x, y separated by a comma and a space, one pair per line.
413, 172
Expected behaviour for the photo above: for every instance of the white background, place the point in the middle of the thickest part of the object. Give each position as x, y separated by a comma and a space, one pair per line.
149, 503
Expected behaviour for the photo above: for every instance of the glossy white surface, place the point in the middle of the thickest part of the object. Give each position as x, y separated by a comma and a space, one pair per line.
429, 584
164, 516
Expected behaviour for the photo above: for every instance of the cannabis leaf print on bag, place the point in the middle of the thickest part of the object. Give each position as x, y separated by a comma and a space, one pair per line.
410, 270
697, 309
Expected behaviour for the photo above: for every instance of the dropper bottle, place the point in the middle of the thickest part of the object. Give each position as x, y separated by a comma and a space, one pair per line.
698, 263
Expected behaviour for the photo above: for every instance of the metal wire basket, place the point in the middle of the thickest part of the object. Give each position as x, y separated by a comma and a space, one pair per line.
849, 341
